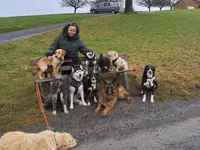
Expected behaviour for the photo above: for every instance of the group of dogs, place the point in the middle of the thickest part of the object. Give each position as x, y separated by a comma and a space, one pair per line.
80, 86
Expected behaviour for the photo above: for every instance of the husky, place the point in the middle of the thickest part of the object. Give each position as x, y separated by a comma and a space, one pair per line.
90, 63
76, 86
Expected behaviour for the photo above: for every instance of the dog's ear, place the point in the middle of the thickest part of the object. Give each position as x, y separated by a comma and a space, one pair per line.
146, 67
72, 69
64, 52
81, 67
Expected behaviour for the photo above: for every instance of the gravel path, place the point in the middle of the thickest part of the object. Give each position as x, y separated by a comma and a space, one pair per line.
170, 125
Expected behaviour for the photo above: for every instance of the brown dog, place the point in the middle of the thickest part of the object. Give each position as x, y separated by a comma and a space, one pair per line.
109, 96
46, 140
55, 61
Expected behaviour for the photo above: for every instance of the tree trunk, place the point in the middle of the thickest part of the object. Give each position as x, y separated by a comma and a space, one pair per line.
75, 10
149, 9
129, 6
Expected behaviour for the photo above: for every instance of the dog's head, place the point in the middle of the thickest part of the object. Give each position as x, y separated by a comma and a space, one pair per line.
58, 81
149, 71
103, 62
113, 55
110, 89
65, 140
60, 54
78, 73
93, 79
90, 55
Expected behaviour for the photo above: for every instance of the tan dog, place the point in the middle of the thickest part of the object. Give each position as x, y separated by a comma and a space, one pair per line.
55, 61
46, 140
117, 62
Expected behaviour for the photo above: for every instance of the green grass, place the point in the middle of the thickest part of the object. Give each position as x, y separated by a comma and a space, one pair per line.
167, 39
9, 24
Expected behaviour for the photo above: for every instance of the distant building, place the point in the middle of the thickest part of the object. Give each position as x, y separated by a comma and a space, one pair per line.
187, 4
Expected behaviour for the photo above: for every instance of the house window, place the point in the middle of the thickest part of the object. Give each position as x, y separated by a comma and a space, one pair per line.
199, 7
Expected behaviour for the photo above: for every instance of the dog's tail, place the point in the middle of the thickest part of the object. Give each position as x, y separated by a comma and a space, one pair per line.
35, 71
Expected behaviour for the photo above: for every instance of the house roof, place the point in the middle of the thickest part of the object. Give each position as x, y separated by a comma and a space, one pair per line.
198, 1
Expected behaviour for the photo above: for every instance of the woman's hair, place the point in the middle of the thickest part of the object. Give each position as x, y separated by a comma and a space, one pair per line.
65, 31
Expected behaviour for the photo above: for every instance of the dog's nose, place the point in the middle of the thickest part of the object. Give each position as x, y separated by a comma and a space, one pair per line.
79, 75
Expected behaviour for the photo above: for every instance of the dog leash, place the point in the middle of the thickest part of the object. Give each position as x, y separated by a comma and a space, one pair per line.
41, 104
137, 70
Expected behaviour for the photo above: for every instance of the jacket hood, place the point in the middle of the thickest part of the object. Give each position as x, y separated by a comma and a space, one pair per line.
65, 32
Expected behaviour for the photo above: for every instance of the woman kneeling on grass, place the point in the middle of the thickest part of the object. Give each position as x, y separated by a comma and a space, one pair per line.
70, 41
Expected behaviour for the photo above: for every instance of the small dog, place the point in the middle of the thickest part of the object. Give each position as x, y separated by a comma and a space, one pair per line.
117, 62
55, 61
108, 97
90, 62
104, 63
148, 82
90, 89
59, 87
76, 86
45, 140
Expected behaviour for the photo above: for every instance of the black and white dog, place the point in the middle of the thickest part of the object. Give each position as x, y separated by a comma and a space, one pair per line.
58, 89
148, 82
76, 86
90, 62
104, 63
90, 89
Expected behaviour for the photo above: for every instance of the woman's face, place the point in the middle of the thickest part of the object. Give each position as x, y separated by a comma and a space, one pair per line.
72, 31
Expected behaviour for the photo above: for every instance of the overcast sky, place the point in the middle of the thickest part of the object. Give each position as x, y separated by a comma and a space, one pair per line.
39, 7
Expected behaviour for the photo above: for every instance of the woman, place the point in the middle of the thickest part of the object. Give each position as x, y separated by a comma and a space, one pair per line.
69, 40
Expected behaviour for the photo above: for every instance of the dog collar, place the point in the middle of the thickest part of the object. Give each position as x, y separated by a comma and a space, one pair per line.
115, 61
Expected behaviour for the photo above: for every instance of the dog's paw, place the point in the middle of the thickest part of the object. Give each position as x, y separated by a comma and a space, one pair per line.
71, 107
143, 100
88, 104
84, 104
103, 115
152, 100
54, 112
66, 112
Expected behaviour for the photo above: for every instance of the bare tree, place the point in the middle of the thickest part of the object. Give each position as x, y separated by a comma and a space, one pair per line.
145, 3
161, 3
172, 2
129, 6
73, 3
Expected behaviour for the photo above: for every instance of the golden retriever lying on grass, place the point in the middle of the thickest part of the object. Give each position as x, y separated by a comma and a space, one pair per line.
46, 140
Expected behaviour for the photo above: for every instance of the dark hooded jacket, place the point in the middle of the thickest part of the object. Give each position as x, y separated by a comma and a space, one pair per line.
72, 45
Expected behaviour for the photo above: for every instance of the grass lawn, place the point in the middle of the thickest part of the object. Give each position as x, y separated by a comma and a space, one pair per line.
167, 39
9, 24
